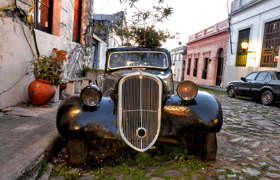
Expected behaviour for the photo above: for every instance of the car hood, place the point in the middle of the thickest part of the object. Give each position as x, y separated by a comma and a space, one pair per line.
121, 73
112, 78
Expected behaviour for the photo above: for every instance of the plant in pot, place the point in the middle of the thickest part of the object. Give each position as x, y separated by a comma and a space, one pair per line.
47, 72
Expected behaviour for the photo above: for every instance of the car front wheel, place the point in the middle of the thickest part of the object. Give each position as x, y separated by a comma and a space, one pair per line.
78, 151
208, 150
204, 145
266, 97
231, 92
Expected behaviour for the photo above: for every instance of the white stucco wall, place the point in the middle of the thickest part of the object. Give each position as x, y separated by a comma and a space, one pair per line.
178, 68
102, 55
254, 18
5, 4
177, 62
16, 55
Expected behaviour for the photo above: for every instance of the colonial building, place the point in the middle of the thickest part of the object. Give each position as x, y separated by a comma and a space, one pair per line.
255, 37
178, 63
61, 24
206, 55
104, 25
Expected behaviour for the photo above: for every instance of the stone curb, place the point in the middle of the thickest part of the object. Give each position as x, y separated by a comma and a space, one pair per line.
216, 88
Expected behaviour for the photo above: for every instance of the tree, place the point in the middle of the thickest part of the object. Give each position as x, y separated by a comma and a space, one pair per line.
141, 28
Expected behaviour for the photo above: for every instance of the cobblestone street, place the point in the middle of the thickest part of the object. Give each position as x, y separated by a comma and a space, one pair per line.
249, 143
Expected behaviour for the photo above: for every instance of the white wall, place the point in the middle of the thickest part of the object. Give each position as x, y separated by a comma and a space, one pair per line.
254, 18
6, 3
16, 55
177, 60
178, 67
102, 48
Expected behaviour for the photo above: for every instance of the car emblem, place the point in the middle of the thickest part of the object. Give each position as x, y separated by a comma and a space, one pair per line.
141, 132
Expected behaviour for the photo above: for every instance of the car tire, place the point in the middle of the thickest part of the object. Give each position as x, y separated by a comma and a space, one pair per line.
78, 151
267, 97
208, 150
203, 145
231, 92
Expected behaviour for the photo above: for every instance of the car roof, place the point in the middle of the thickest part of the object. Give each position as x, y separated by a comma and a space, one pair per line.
136, 48
263, 71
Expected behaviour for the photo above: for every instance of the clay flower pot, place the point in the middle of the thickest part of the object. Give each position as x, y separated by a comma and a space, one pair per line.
40, 92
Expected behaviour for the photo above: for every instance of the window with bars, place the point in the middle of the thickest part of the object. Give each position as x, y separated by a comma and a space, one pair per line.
204, 72
271, 44
77, 21
43, 15
189, 67
195, 67
241, 57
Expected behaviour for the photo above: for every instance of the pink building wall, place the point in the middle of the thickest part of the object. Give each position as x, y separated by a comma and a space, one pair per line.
207, 44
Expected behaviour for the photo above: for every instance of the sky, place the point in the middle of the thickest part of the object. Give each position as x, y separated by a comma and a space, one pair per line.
189, 17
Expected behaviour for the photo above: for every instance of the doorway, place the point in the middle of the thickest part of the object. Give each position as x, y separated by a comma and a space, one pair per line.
220, 67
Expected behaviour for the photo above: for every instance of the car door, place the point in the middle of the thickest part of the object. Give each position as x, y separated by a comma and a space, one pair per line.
244, 86
257, 84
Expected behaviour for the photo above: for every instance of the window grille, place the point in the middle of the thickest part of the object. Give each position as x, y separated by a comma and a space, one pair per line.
271, 44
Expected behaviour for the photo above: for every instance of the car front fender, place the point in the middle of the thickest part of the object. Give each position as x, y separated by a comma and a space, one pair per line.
202, 114
77, 121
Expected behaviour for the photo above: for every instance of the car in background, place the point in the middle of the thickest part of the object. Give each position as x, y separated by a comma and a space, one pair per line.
263, 86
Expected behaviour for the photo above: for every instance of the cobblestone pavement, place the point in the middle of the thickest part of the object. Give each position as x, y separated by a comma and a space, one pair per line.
249, 143
248, 147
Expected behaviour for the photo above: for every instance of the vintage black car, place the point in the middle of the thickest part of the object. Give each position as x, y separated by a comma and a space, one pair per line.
263, 86
139, 107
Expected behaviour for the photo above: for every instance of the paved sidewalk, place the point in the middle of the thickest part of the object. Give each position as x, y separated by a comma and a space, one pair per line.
216, 88
26, 133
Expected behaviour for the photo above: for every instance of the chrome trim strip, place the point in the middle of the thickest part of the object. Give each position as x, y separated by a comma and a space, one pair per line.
120, 107
139, 110
243, 88
122, 52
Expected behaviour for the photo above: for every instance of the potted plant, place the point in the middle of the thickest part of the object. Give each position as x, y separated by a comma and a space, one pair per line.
47, 72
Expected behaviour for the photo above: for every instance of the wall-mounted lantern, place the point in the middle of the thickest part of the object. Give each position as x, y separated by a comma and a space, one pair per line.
245, 46
276, 59
209, 60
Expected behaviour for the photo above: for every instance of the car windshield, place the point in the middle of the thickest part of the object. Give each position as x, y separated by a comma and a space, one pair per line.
251, 76
278, 75
138, 59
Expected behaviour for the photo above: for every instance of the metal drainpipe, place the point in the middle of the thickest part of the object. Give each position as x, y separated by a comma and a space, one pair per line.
229, 18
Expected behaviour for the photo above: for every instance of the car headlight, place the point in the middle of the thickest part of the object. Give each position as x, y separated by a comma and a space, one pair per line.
91, 95
187, 90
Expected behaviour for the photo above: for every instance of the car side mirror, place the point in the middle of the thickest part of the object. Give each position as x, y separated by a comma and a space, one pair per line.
243, 79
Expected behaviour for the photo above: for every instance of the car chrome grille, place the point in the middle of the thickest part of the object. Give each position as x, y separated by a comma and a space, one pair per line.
140, 97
